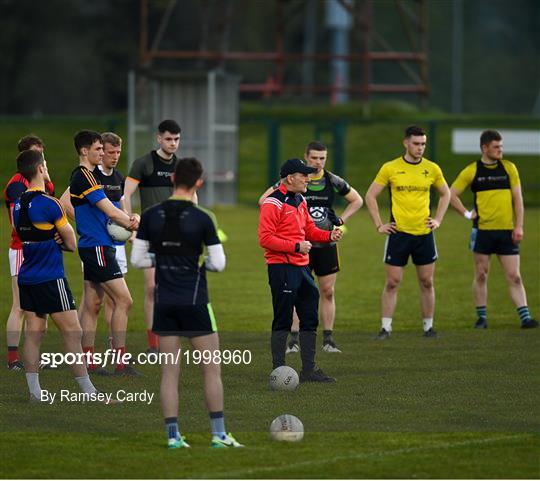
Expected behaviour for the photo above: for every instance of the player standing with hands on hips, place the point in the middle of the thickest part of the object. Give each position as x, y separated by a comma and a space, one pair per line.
286, 231
497, 223
410, 230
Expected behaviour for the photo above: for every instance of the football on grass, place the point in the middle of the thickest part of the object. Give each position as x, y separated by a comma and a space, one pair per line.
117, 232
283, 378
286, 428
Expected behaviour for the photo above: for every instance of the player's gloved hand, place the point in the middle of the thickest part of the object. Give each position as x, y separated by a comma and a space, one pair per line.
332, 217
470, 214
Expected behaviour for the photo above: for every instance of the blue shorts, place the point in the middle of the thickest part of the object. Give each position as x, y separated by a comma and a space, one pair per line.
400, 246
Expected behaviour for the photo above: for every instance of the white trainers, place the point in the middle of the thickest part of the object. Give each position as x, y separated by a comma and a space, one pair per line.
292, 347
330, 347
227, 441
177, 443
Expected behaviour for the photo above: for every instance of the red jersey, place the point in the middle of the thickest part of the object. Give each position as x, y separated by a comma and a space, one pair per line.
16, 186
284, 222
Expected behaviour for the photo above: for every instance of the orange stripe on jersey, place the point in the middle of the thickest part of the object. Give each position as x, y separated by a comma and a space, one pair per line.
132, 179
87, 191
89, 176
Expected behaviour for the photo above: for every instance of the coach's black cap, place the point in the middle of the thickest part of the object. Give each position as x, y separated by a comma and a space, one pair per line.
292, 166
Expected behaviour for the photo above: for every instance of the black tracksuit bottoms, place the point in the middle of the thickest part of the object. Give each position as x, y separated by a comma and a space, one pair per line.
293, 286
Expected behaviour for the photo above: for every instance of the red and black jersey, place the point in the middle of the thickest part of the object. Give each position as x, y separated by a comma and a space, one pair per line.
16, 187
284, 222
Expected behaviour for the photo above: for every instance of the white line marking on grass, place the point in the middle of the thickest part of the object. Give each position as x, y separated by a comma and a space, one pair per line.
394, 452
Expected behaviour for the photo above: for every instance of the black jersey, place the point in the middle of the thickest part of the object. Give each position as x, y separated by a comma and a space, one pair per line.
113, 184
320, 197
177, 231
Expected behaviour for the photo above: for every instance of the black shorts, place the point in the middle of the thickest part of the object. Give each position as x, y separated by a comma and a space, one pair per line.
100, 264
493, 242
400, 246
186, 321
47, 298
324, 260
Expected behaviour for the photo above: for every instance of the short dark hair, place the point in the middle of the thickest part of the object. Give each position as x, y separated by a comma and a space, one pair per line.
111, 138
188, 170
28, 141
169, 126
85, 138
28, 162
414, 130
315, 145
489, 136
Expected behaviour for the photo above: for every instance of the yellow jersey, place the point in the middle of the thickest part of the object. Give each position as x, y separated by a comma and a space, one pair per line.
410, 186
492, 188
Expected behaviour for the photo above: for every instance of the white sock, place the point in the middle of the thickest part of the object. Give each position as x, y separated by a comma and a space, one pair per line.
428, 323
387, 324
32, 379
86, 385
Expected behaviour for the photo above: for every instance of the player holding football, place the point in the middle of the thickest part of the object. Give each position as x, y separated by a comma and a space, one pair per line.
16, 186
102, 273
323, 258
171, 239
410, 230
497, 217
44, 230
151, 174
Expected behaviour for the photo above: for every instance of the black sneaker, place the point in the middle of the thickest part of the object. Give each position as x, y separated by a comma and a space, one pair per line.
481, 323
529, 324
15, 366
317, 375
152, 350
430, 333
46, 365
99, 371
383, 334
128, 371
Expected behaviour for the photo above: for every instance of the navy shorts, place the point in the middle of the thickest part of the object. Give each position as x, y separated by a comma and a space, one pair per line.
100, 264
47, 297
186, 321
493, 242
400, 246
324, 260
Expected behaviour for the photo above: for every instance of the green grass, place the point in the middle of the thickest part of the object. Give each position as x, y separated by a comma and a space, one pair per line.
461, 406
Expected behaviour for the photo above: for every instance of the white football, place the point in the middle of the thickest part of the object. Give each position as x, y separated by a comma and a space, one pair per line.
117, 232
283, 378
287, 428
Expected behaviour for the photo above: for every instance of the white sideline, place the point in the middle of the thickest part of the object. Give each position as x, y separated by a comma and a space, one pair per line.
394, 452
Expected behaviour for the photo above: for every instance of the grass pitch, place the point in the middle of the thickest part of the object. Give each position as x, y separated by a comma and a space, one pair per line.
464, 405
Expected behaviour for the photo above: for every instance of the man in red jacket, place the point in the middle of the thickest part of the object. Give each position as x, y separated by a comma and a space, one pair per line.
285, 232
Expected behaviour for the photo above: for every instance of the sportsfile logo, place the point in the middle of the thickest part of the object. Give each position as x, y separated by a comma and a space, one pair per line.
109, 357
114, 357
